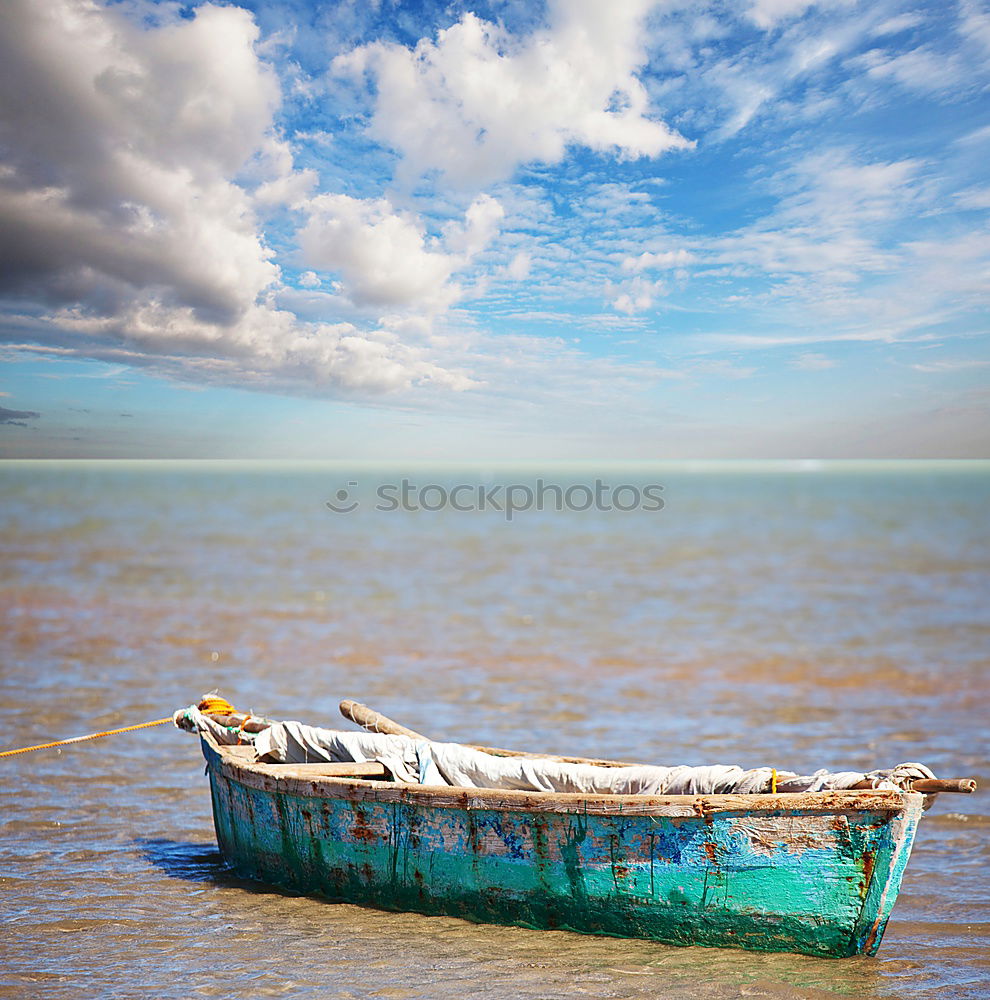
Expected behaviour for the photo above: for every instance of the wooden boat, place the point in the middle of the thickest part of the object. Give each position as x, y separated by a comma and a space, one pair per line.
814, 872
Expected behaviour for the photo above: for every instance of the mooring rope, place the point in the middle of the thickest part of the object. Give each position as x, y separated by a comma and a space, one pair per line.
89, 736
211, 704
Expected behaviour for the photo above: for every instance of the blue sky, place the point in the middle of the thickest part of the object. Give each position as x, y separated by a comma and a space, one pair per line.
494, 231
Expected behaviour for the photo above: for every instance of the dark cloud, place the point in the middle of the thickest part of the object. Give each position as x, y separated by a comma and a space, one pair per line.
16, 418
115, 182
131, 152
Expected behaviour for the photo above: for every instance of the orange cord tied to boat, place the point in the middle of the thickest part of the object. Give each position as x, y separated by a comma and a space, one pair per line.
89, 736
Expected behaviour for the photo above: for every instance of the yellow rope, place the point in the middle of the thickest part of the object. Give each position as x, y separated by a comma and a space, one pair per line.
773, 780
215, 705
90, 736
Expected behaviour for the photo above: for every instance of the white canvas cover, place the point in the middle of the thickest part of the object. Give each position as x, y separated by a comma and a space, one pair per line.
426, 762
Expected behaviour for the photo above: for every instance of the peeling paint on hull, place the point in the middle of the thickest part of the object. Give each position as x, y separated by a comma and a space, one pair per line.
801, 880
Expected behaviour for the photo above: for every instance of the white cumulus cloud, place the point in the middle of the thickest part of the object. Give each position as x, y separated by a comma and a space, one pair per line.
385, 257
633, 296
477, 102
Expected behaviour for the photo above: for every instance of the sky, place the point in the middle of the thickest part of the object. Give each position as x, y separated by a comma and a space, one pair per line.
496, 231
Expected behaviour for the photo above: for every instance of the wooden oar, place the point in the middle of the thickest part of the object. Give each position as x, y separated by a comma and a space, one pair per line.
375, 722
966, 785
931, 786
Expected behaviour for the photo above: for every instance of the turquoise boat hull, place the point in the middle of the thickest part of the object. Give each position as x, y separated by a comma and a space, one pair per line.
815, 873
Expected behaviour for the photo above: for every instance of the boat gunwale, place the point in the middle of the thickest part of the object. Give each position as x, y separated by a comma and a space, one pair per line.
306, 781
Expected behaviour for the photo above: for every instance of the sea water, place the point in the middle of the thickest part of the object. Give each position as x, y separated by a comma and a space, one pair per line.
794, 615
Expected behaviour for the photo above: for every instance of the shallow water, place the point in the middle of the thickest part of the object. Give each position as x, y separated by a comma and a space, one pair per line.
803, 617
